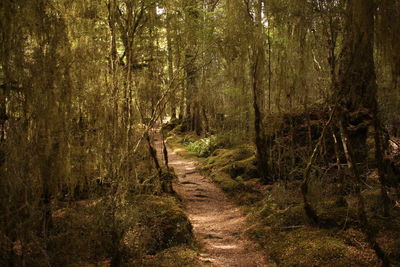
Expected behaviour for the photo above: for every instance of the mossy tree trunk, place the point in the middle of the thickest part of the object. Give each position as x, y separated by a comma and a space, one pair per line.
193, 119
358, 87
258, 71
170, 57
356, 84
356, 78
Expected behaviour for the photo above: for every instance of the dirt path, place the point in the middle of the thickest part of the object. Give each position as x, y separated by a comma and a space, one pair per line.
217, 223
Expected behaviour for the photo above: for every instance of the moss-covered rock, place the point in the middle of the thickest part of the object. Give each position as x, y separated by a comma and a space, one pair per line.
163, 224
271, 215
172, 257
171, 125
315, 248
247, 168
226, 182
308, 246
234, 162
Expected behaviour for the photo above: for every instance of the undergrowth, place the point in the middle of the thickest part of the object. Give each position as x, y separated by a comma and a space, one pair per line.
203, 147
151, 229
275, 213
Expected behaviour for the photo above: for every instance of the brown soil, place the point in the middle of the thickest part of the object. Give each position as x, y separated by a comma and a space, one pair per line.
217, 223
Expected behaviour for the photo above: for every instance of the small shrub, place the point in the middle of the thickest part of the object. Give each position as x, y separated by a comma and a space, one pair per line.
204, 147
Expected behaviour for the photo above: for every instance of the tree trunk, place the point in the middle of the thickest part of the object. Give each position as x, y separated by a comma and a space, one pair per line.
153, 154
357, 84
357, 87
362, 216
258, 98
260, 140
356, 79
193, 119
170, 65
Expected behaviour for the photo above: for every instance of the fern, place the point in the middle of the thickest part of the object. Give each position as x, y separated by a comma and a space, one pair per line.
203, 147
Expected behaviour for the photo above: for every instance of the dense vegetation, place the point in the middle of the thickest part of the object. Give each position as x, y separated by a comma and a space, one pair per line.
290, 105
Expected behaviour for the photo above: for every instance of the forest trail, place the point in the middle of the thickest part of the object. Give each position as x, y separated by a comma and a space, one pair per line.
217, 223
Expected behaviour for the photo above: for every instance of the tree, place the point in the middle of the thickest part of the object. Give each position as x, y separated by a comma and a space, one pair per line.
358, 89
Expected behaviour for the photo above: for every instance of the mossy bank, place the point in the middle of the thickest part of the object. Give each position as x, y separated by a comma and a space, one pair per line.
275, 213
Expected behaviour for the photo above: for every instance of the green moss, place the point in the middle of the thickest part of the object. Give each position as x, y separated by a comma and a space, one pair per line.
333, 215
315, 251
77, 236
221, 157
373, 201
272, 216
353, 237
310, 247
225, 182
291, 242
176, 143
279, 222
240, 170
176, 256
259, 231
248, 198
247, 168
163, 224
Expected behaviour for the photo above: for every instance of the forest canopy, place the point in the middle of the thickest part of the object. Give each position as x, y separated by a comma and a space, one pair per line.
307, 90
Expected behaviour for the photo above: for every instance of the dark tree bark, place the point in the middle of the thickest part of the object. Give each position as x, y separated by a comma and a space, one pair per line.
357, 84
193, 119
170, 64
153, 154
258, 72
357, 79
259, 138
358, 88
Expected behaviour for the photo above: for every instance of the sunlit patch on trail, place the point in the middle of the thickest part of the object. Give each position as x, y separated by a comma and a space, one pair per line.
225, 246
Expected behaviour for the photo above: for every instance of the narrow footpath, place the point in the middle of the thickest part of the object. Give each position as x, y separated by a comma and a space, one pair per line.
217, 223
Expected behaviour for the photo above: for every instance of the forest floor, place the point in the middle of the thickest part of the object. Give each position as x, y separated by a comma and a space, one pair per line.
224, 198
218, 224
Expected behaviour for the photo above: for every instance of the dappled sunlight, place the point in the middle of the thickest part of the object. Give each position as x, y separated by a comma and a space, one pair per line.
226, 133
225, 247
216, 221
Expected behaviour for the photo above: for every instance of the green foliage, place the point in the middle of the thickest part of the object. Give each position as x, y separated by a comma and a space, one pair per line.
221, 158
187, 139
307, 246
144, 224
277, 218
177, 142
280, 223
204, 147
73, 88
